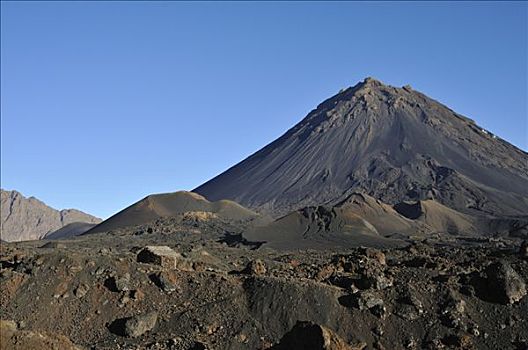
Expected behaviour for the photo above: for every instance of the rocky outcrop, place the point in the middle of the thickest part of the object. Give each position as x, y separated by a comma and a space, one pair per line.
163, 256
310, 336
504, 283
138, 325
25, 219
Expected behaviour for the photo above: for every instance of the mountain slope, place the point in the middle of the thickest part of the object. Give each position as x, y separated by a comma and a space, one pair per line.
394, 144
28, 218
170, 204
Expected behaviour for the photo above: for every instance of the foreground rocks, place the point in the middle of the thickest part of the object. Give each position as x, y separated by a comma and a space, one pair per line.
255, 267
163, 256
160, 291
311, 336
12, 338
139, 325
504, 283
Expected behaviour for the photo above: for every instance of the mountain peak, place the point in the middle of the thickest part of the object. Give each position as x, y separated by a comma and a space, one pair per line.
29, 218
391, 143
372, 81
369, 88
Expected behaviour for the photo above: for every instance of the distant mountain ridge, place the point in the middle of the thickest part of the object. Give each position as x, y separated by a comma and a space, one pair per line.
394, 144
29, 218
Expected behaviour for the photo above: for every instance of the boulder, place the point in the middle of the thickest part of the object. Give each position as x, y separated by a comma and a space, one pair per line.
523, 251
365, 300
255, 267
163, 256
310, 336
374, 278
81, 290
368, 300
165, 281
139, 325
504, 285
122, 283
375, 254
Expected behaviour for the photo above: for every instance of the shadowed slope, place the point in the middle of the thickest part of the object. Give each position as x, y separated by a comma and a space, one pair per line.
438, 218
70, 230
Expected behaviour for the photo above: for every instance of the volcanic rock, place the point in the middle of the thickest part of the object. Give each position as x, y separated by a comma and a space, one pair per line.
311, 336
138, 325
255, 267
365, 300
163, 256
81, 290
503, 284
165, 281
122, 283
523, 250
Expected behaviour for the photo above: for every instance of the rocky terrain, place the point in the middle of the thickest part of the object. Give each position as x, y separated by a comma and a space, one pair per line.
28, 218
193, 282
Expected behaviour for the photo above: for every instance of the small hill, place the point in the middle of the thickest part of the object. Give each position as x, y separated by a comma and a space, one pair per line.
362, 220
319, 227
25, 219
171, 204
382, 216
437, 217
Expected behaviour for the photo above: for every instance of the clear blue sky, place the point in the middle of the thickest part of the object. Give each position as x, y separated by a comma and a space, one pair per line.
103, 103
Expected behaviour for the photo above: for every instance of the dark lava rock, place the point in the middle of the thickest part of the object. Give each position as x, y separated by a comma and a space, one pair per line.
81, 291
310, 336
368, 300
165, 281
458, 341
502, 284
453, 311
365, 300
408, 312
118, 283
255, 267
134, 326
374, 278
122, 283
163, 256
523, 251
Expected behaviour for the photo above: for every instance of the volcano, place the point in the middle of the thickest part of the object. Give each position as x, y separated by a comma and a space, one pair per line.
394, 144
